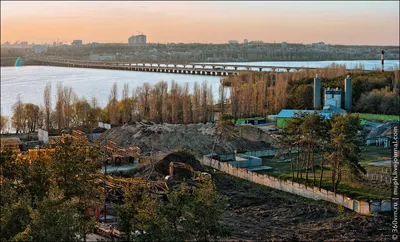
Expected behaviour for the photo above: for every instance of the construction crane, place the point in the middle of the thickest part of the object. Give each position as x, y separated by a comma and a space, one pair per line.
197, 175
139, 32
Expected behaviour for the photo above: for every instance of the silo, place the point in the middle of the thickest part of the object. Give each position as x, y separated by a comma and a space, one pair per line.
347, 93
317, 92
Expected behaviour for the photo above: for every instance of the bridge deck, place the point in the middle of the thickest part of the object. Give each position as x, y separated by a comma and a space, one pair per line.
190, 68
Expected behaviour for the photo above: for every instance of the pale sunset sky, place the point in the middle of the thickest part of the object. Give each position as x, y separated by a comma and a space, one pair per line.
349, 23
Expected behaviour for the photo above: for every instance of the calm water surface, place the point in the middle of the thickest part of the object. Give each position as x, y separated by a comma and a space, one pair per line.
29, 81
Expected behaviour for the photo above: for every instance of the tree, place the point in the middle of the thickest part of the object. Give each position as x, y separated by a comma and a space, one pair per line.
204, 219
3, 124
126, 106
47, 104
344, 144
189, 214
46, 199
18, 118
59, 112
293, 135
113, 109
32, 116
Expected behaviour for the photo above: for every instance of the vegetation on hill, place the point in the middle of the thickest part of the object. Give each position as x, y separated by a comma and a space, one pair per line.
254, 51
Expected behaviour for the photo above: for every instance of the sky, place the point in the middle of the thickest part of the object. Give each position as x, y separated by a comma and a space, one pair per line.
348, 23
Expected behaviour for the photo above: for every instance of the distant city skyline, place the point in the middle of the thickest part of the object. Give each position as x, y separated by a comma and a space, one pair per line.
347, 23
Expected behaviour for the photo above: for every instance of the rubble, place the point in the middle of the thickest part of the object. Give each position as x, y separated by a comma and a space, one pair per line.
155, 139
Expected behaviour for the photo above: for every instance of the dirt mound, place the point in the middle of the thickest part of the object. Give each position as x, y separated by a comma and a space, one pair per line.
180, 156
159, 169
154, 139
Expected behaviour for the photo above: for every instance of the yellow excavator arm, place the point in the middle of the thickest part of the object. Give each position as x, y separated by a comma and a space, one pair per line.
197, 175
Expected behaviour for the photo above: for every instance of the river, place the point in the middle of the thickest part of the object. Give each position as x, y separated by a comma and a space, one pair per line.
29, 81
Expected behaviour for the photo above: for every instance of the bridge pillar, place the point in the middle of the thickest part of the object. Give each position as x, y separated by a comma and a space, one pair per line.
261, 69
288, 69
235, 68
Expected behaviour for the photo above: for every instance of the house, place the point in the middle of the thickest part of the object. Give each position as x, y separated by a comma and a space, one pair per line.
381, 135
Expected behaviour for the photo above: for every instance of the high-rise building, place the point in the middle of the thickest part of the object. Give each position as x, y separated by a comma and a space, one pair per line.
137, 40
245, 41
77, 43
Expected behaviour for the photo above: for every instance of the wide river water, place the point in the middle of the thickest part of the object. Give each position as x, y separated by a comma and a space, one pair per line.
29, 81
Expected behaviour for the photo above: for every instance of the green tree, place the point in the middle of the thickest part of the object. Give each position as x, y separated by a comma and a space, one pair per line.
204, 219
46, 199
344, 144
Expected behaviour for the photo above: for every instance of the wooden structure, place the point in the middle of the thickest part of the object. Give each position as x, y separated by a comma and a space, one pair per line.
35, 153
77, 136
119, 155
10, 144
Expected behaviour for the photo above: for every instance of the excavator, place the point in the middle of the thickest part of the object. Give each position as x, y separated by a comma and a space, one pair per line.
117, 186
197, 175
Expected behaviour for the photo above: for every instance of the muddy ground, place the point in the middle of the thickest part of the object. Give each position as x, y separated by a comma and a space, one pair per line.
257, 212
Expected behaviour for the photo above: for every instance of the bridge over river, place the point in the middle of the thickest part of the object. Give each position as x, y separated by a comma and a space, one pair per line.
178, 68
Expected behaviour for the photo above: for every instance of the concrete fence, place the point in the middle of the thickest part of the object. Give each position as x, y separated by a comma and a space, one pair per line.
262, 153
315, 193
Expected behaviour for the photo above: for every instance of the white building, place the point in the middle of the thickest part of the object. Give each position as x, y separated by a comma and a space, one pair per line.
245, 41
284, 44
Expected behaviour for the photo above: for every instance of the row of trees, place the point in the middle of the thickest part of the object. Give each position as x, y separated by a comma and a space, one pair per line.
159, 103
259, 94
311, 142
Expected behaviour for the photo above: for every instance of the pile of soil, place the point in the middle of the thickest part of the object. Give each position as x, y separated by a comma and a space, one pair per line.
155, 139
260, 213
159, 169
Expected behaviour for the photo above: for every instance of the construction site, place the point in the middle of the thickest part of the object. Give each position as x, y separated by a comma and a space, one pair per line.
162, 156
